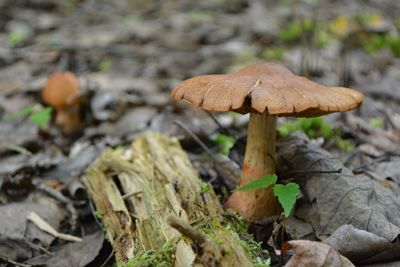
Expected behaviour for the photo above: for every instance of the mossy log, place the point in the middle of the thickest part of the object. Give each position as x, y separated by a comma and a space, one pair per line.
157, 212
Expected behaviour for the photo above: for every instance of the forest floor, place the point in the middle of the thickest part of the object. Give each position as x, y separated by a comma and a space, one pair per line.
129, 55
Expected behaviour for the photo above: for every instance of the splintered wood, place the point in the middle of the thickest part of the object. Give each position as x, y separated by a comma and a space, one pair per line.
138, 192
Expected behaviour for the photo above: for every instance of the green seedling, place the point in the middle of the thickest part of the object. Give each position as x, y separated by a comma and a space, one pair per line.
225, 143
286, 194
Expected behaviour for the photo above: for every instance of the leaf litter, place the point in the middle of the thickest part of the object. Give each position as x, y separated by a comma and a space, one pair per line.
127, 74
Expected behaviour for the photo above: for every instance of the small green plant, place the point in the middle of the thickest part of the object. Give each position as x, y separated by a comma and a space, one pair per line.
104, 65
322, 37
16, 38
394, 44
38, 115
312, 127
199, 16
272, 53
344, 145
377, 123
294, 30
286, 194
291, 32
225, 143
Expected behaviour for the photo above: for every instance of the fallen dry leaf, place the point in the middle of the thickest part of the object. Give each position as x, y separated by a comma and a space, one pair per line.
311, 253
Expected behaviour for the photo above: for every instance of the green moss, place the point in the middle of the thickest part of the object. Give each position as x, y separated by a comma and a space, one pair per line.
259, 256
210, 227
162, 258
237, 227
98, 215
205, 187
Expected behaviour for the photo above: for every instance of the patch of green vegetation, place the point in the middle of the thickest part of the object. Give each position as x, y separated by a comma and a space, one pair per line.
377, 123
16, 38
322, 37
131, 18
104, 65
42, 117
291, 32
38, 115
312, 127
344, 144
205, 187
315, 127
394, 44
272, 53
162, 258
199, 16
98, 215
295, 29
259, 256
378, 41
308, 2
373, 44
225, 143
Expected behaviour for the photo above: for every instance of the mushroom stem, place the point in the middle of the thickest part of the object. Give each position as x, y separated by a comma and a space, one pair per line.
259, 160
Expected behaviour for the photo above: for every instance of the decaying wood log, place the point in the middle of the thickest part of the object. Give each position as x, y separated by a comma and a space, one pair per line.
149, 197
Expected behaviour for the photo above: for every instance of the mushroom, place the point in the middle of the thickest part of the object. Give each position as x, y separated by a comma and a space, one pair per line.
266, 91
62, 92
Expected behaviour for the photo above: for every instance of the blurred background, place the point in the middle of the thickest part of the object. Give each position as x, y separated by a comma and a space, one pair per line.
128, 55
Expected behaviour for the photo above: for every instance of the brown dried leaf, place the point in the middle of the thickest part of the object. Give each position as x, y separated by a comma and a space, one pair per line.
310, 253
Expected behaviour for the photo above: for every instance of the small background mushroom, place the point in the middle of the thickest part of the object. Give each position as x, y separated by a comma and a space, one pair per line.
62, 92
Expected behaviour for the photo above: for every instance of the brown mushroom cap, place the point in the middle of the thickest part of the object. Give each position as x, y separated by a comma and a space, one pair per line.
270, 87
61, 90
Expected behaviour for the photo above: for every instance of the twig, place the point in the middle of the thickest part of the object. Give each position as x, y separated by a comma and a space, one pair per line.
187, 230
108, 258
194, 137
228, 170
44, 226
10, 261
223, 129
64, 200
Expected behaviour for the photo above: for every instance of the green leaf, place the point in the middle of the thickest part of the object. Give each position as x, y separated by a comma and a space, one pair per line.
41, 118
287, 195
260, 183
